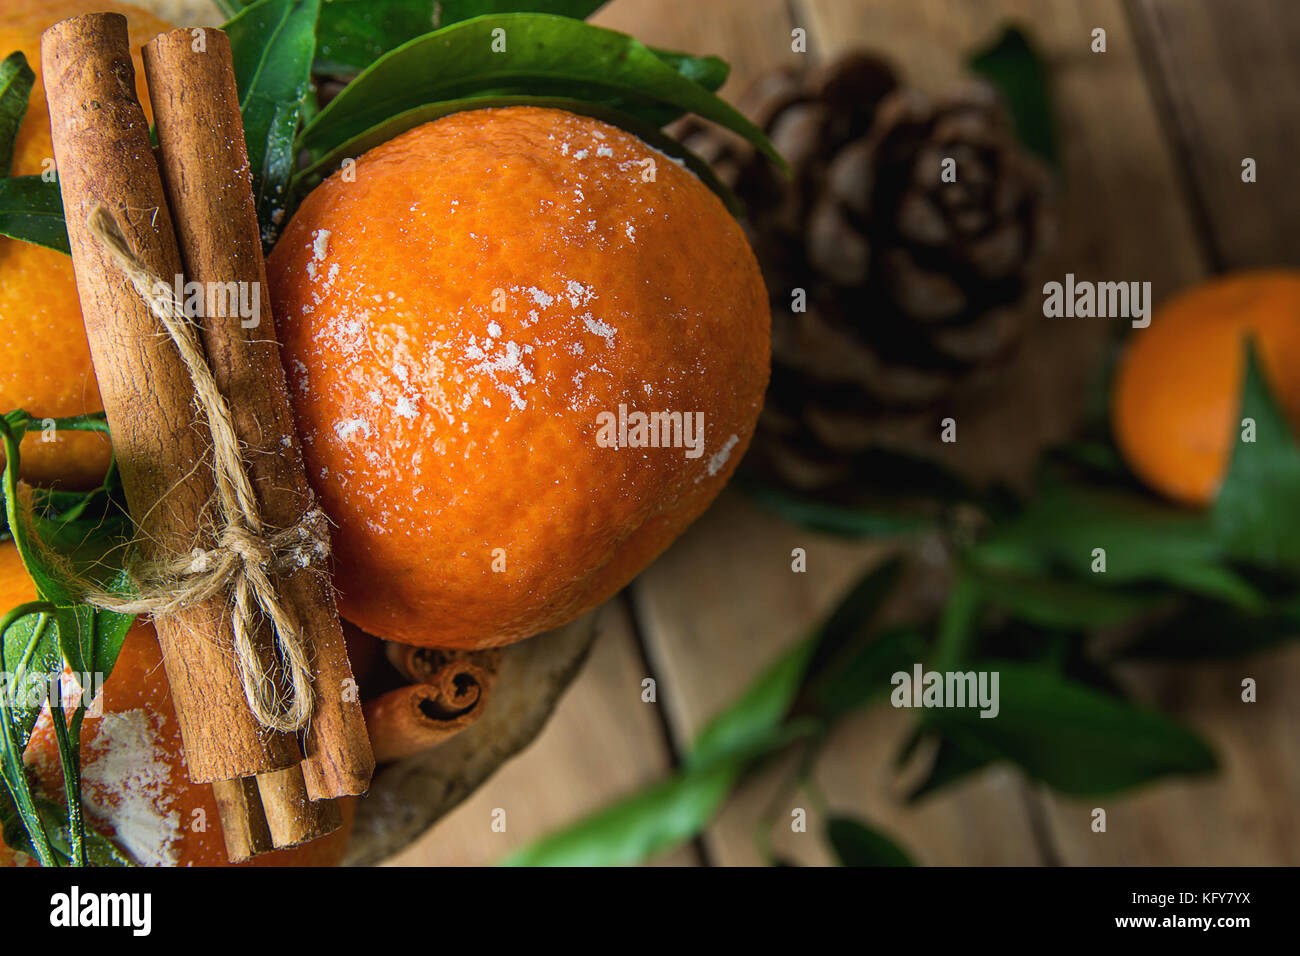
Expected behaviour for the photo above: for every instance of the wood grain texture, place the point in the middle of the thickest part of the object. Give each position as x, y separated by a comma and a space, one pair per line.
1230, 76
1245, 814
602, 743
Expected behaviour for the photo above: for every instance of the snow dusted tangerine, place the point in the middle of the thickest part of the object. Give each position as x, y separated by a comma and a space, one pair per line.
461, 315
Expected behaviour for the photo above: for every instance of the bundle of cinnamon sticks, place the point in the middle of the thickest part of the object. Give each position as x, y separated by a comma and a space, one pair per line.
188, 213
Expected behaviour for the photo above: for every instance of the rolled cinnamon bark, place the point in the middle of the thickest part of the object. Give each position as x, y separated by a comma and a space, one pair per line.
205, 175
102, 149
454, 690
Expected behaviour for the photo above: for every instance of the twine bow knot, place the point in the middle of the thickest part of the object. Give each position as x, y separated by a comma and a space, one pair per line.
246, 554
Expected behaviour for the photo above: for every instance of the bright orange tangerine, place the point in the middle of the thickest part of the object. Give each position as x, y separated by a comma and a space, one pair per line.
1177, 394
461, 312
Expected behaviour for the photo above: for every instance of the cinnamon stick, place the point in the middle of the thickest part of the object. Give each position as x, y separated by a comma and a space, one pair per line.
102, 149
451, 696
243, 823
292, 817
205, 175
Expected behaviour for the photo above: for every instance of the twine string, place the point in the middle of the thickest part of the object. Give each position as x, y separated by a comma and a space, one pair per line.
246, 554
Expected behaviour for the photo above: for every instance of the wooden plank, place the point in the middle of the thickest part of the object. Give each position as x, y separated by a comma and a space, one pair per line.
1242, 816
1230, 74
602, 743
752, 35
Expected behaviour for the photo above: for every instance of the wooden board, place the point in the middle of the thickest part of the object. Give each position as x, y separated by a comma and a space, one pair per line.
1245, 815
1230, 76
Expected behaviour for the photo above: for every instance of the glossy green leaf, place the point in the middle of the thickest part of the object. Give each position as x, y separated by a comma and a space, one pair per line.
454, 11
272, 45
100, 851
1257, 513
856, 844
16, 79
1073, 738
544, 55
32, 210
88, 639
352, 34
1014, 66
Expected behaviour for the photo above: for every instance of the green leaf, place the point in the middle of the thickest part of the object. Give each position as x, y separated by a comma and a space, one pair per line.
756, 717
272, 44
849, 624
32, 210
100, 851
395, 125
866, 674
16, 79
856, 844
878, 521
667, 813
88, 639
1062, 526
641, 826
19, 814
1013, 65
1257, 513
545, 55
710, 72
31, 651
352, 34
1060, 602
454, 11
959, 623
1071, 737
1205, 630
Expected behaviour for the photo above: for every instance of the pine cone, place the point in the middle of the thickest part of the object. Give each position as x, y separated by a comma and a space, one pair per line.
910, 265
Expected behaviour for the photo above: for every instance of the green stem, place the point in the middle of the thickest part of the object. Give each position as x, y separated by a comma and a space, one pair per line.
11, 768
957, 627
70, 761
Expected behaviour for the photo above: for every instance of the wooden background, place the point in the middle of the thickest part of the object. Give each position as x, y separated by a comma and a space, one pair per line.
1153, 133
